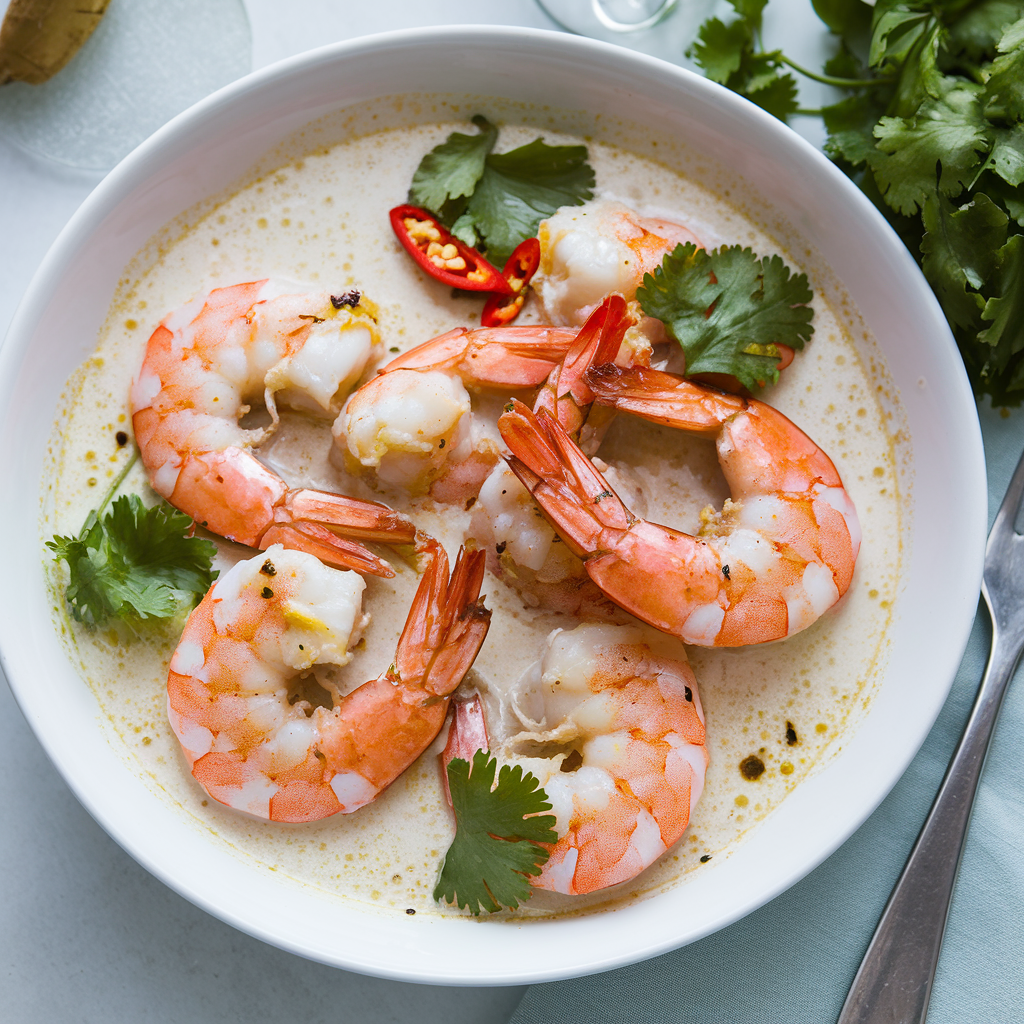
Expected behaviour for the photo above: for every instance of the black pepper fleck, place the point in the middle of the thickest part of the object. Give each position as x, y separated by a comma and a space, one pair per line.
350, 298
267, 593
470, 502
121, 438
440, 444
725, 572
268, 568
500, 548
689, 695
410, 911
752, 767
705, 858
791, 739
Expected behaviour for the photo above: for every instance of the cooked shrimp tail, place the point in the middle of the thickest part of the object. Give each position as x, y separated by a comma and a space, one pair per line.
565, 394
446, 624
779, 555
257, 747
574, 496
467, 733
204, 365
320, 523
387, 723
493, 357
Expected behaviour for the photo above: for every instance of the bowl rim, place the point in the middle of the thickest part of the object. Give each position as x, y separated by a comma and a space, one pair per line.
134, 169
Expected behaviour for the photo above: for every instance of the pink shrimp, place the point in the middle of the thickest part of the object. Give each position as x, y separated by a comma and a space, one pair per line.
627, 708
412, 424
411, 427
776, 558
523, 550
600, 248
204, 364
274, 617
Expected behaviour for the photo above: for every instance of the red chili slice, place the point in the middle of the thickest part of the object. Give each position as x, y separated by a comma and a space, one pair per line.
443, 256
521, 266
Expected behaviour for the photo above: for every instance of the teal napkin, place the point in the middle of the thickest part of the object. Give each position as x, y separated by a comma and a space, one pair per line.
793, 960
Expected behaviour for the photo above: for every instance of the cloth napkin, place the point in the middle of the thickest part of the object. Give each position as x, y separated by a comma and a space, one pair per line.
793, 960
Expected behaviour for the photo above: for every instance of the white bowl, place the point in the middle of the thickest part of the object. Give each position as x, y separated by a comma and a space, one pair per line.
205, 149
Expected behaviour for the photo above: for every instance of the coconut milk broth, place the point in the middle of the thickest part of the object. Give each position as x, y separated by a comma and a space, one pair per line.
321, 220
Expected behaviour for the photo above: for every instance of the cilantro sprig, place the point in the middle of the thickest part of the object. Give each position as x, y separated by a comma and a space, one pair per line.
932, 130
134, 563
729, 309
495, 852
493, 201
731, 54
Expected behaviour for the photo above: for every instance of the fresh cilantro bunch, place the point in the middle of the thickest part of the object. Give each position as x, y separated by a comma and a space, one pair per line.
729, 309
932, 129
134, 563
731, 55
495, 851
493, 201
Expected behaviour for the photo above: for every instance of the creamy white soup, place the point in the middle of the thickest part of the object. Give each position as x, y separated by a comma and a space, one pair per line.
318, 216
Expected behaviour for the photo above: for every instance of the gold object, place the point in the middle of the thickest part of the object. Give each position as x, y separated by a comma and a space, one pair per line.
38, 37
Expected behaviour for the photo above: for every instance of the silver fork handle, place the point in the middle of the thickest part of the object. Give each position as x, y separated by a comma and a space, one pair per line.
894, 982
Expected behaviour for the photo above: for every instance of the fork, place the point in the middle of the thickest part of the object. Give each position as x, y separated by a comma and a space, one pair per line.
894, 981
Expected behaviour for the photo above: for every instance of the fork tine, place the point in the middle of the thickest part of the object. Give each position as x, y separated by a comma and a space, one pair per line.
1011, 506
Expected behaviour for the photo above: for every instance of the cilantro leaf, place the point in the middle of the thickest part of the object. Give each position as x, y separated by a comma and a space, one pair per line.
750, 10
844, 17
1004, 90
1005, 313
897, 26
729, 309
450, 171
134, 563
942, 141
919, 77
844, 63
495, 851
728, 55
518, 190
1010, 198
773, 92
1007, 155
959, 251
851, 125
719, 48
979, 29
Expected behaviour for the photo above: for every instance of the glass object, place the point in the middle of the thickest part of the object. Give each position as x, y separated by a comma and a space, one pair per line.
662, 28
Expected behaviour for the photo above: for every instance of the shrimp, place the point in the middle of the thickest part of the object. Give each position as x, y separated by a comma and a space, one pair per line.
778, 556
593, 250
204, 364
410, 424
623, 717
604, 247
274, 617
523, 549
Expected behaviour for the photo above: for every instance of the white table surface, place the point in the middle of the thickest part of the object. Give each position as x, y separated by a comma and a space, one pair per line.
85, 933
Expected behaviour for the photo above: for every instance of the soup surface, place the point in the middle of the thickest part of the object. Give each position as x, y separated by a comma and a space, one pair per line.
316, 214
